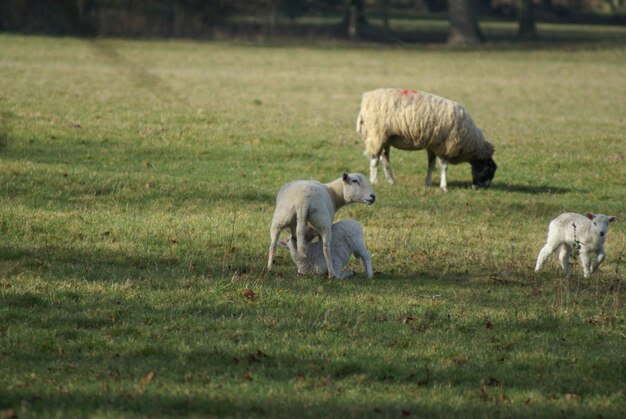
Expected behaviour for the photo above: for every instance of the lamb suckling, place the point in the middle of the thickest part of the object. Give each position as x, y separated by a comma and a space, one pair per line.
347, 241
415, 120
569, 231
306, 201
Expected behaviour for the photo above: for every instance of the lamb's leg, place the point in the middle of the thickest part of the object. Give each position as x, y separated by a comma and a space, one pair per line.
367, 263
274, 233
384, 157
564, 254
326, 235
344, 274
543, 255
599, 260
585, 259
431, 166
443, 184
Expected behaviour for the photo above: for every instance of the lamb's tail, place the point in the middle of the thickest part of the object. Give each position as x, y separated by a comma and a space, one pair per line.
301, 224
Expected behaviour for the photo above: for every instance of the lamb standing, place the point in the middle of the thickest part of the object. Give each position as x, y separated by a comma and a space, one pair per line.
569, 230
302, 201
347, 241
415, 120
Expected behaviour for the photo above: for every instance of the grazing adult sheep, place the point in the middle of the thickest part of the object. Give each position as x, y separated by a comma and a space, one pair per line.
569, 230
347, 241
306, 201
415, 120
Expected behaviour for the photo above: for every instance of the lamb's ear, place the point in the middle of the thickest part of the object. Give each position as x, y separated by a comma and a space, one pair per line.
345, 177
590, 215
611, 218
310, 234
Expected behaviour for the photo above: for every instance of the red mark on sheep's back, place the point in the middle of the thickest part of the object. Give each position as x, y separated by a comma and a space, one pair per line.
406, 92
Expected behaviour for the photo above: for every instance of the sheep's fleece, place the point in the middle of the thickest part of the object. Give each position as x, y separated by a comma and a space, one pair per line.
415, 120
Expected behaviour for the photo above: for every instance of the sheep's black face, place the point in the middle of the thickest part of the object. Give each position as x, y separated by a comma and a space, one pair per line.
483, 172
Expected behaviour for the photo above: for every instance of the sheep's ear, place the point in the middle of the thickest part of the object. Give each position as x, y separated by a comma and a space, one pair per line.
345, 177
611, 218
590, 215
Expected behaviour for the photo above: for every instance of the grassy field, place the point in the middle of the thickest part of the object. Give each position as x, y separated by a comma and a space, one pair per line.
137, 186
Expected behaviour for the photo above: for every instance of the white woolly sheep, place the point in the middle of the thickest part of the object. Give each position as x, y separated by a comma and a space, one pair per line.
302, 201
347, 241
415, 120
569, 231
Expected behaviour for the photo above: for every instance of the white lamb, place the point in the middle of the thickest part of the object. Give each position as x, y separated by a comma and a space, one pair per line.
347, 241
306, 201
415, 120
569, 230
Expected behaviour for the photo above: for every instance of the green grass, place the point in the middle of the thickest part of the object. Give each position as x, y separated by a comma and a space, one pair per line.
137, 183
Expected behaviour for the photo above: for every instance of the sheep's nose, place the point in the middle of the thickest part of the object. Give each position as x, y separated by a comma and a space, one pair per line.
373, 197
602, 234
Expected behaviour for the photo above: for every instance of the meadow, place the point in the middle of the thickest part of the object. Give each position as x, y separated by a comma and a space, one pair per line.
138, 180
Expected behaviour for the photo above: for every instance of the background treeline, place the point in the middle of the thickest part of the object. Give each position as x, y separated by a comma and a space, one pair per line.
245, 18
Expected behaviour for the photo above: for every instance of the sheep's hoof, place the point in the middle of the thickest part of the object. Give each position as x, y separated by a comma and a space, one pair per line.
443, 188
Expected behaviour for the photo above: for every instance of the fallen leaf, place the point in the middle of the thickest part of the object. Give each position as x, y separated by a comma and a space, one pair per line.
249, 294
8, 414
148, 378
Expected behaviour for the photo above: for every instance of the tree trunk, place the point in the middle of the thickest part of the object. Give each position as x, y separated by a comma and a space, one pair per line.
526, 18
464, 30
355, 9
353, 23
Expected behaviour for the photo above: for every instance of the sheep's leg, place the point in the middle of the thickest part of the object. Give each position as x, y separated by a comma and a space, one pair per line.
384, 158
543, 255
431, 166
374, 169
443, 184
564, 254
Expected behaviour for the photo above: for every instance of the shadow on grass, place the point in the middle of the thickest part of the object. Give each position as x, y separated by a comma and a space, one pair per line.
517, 188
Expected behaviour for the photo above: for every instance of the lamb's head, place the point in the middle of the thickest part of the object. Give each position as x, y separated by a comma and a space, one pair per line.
291, 243
483, 172
356, 188
600, 224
